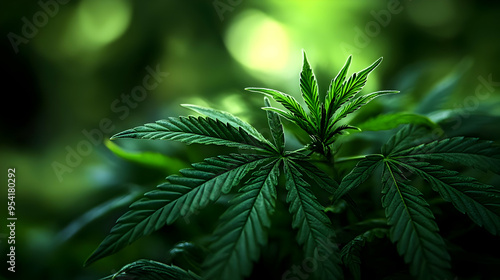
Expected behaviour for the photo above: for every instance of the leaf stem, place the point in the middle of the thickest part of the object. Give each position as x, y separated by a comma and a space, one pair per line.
345, 159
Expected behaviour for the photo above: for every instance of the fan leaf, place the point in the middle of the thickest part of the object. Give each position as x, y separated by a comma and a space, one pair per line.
179, 196
228, 118
470, 152
479, 201
318, 176
407, 137
363, 169
241, 232
413, 227
196, 130
314, 228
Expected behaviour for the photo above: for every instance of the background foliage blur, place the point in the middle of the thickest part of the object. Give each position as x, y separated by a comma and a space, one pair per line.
72, 77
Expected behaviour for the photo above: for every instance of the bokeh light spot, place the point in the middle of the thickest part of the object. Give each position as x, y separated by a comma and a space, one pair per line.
258, 42
100, 26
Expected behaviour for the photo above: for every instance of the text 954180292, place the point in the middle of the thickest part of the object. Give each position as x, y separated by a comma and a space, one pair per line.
11, 218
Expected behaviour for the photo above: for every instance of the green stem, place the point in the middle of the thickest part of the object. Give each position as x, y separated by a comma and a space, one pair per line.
345, 159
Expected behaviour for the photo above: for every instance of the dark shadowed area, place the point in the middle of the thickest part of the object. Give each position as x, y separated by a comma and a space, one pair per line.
75, 72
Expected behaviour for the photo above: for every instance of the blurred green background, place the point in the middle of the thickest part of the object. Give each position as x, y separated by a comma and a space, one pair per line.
76, 72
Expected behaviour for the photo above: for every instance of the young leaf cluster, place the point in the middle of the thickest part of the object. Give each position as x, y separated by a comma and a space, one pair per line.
321, 119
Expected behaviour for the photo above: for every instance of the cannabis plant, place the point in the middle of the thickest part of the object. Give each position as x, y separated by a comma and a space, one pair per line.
264, 167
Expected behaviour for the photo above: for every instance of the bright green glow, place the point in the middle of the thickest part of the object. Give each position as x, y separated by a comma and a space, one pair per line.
258, 42
233, 104
103, 21
94, 24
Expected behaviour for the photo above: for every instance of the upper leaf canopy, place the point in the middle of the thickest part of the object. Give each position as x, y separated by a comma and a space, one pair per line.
321, 121
200, 130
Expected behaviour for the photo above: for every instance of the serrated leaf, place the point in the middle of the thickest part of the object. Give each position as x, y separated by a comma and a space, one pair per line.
335, 87
180, 196
472, 152
226, 117
320, 178
309, 89
351, 86
314, 228
407, 137
479, 201
317, 175
300, 116
390, 121
356, 103
363, 169
413, 227
151, 270
276, 127
241, 232
196, 130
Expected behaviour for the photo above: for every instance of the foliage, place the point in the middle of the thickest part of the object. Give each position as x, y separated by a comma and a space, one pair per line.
253, 178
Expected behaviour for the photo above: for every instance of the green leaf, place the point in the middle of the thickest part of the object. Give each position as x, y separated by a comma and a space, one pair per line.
352, 86
353, 105
228, 118
363, 169
309, 89
338, 130
300, 116
351, 252
315, 230
334, 89
155, 160
196, 130
276, 127
479, 201
241, 232
407, 137
180, 196
472, 152
413, 227
152, 270
390, 121
319, 177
